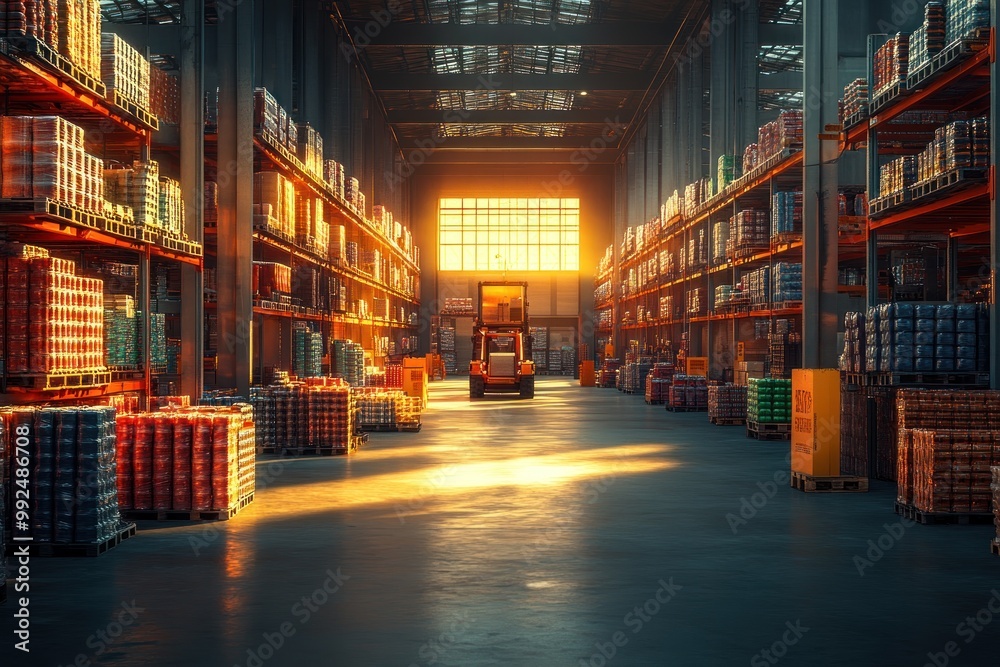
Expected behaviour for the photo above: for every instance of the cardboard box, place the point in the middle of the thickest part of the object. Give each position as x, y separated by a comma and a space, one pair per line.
816, 422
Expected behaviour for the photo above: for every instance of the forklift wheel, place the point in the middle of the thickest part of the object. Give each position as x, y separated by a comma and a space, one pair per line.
477, 386
528, 387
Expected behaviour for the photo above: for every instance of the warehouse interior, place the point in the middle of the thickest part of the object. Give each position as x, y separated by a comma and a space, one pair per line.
499, 332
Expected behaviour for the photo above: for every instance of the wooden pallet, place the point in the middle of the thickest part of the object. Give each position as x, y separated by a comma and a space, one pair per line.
844, 484
141, 114
919, 379
686, 408
60, 381
49, 550
657, 402
119, 227
188, 515
882, 205
758, 431
34, 49
312, 451
948, 57
886, 97
267, 450
724, 421
943, 518
379, 428
855, 118
946, 183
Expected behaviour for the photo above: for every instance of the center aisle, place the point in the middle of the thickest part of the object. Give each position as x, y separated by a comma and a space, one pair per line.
528, 533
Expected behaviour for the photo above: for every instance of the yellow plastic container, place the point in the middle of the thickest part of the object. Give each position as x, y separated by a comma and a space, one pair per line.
816, 422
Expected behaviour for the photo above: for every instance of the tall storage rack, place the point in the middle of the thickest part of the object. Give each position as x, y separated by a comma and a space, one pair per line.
273, 322
954, 209
36, 81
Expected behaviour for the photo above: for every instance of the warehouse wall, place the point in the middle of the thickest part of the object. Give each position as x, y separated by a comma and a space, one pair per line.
553, 296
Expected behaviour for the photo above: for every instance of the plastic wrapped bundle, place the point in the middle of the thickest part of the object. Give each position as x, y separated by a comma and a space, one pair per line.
142, 471
65, 430
124, 70
201, 462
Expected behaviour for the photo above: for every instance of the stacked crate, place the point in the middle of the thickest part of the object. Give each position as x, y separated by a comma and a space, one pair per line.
199, 459
71, 28
944, 419
929, 38
726, 172
748, 231
121, 331
689, 393
785, 133
5, 453
965, 16
73, 483
317, 414
307, 351
124, 71
769, 401
271, 280
171, 208
164, 95
853, 358
923, 338
786, 213
658, 383
751, 157
44, 158
310, 150
856, 97
275, 204
727, 403
137, 187
897, 175
786, 282
891, 63
995, 486
951, 470
51, 319
349, 362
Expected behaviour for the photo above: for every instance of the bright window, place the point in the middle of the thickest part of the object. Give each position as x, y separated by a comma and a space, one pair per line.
509, 234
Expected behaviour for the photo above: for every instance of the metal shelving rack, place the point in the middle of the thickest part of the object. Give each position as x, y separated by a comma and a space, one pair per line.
275, 326
36, 81
959, 207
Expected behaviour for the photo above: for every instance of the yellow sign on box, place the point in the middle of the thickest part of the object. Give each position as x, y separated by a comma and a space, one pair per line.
697, 366
741, 351
816, 422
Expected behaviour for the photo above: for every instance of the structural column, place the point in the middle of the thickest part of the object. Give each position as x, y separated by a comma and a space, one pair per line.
235, 177
192, 174
994, 212
275, 45
819, 214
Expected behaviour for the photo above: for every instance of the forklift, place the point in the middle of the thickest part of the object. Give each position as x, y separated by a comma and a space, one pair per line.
501, 342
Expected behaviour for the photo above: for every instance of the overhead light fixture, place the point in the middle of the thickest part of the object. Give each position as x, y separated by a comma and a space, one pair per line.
513, 93
583, 92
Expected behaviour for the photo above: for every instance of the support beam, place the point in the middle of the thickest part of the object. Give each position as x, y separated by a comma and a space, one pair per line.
994, 214
747, 105
612, 33
780, 81
192, 174
514, 82
819, 215
778, 34
276, 46
235, 234
598, 144
506, 117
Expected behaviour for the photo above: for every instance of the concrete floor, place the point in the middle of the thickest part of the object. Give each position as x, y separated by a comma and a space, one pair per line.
581, 528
